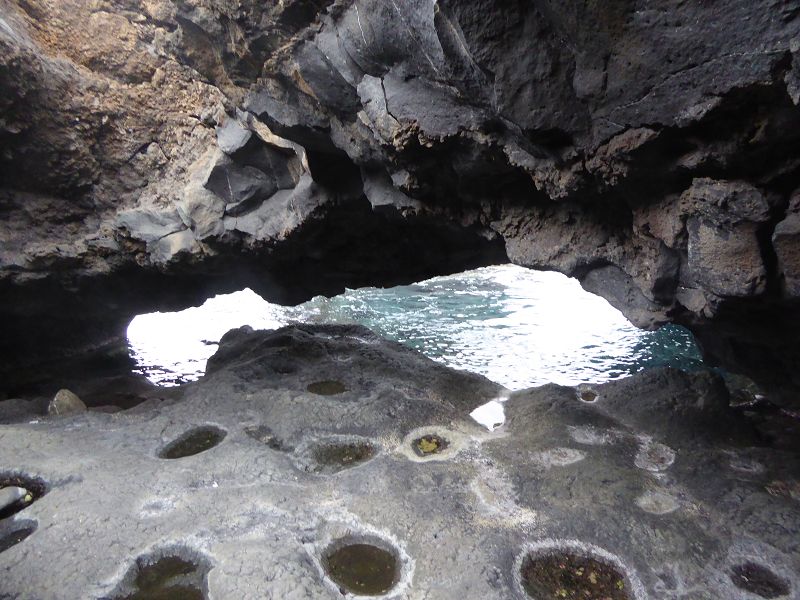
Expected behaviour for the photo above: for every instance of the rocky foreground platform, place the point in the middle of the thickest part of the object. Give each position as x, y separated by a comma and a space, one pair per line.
314, 442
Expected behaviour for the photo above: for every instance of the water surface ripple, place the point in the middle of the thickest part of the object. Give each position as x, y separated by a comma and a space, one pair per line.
515, 326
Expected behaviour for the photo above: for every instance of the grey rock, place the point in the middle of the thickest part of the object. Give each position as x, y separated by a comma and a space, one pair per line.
793, 76
375, 109
786, 240
202, 211
382, 194
232, 136
692, 298
323, 81
647, 485
65, 404
11, 495
173, 245
284, 212
263, 104
435, 109
150, 225
241, 187
279, 163
616, 286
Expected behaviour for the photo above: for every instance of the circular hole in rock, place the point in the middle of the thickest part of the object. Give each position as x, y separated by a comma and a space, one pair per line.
337, 456
587, 395
654, 457
327, 388
193, 442
570, 576
759, 580
361, 568
166, 578
18, 492
9, 539
429, 444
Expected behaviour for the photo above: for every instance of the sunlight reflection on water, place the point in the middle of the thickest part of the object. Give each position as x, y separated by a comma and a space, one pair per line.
516, 326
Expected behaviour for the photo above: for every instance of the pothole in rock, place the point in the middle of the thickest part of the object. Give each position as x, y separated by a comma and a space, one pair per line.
333, 457
18, 492
19, 532
193, 442
759, 580
587, 395
327, 388
556, 457
654, 457
361, 568
784, 489
169, 577
570, 576
594, 436
430, 444
657, 503
746, 465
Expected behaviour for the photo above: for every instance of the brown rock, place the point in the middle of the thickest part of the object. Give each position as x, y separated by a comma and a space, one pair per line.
786, 241
577, 139
726, 261
64, 404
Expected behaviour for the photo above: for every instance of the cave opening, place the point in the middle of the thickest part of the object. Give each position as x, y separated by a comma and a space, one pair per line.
478, 431
516, 326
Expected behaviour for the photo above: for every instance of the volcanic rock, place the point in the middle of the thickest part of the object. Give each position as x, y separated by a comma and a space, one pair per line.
160, 152
654, 479
65, 404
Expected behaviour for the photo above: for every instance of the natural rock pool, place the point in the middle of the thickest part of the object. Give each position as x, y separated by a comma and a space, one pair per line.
516, 326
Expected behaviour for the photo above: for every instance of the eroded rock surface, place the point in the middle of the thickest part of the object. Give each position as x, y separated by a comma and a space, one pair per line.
656, 478
155, 152
65, 403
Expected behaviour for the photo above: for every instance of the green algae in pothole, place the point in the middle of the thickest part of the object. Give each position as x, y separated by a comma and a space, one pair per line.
588, 395
15, 537
338, 456
196, 441
362, 569
759, 580
565, 576
169, 578
327, 388
429, 444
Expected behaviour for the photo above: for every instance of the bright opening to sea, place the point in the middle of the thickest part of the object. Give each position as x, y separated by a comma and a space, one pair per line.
516, 326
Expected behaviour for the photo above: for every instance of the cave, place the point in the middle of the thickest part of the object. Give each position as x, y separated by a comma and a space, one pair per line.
516, 326
159, 155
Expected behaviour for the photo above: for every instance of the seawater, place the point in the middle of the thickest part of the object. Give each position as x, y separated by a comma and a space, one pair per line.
518, 327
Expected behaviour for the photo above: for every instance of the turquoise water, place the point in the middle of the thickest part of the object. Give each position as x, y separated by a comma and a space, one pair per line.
515, 326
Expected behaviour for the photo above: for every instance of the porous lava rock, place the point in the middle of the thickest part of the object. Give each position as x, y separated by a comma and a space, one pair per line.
675, 511
157, 152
